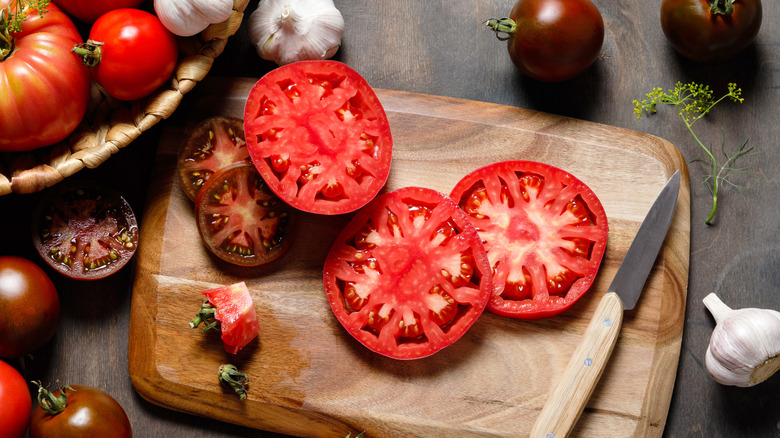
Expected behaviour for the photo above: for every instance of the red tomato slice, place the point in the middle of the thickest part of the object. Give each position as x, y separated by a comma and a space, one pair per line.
236, 314
319, 136
544, 231
408, 275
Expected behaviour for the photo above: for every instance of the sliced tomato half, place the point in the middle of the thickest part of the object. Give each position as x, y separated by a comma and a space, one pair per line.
408, 275
235, 311
545, 233
319, 136
84, 230
240, 220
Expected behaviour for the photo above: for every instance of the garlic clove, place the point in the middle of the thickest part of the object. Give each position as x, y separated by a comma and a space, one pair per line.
744, 347
189, 17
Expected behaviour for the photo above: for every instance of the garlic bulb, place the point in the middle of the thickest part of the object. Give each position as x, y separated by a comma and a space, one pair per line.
188, 17
286, 31
744, 348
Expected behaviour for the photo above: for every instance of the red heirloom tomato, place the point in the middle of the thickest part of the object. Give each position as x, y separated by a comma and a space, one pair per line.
130, 53
319, 136
408, 275
552, 40
29, 307
78, 411
84, 230
212, 145
15, 402
234, 309
710, 30
240, 220
44, 89
544, 231
87, 11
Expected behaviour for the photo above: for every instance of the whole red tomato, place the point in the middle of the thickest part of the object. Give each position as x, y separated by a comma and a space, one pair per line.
29, 307
78, 411
130, 53
710, 30
88, 11
552, 40
44, 88
15, 402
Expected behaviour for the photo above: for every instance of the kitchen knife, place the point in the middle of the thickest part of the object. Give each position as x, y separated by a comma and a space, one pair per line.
565, 405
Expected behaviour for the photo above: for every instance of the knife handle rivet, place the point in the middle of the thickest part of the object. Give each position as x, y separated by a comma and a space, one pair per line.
607, 322
588, 361
549, 435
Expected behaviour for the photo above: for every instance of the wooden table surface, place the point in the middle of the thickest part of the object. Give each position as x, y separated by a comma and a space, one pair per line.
441, 48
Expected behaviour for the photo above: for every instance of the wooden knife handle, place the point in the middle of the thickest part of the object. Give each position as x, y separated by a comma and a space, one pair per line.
565, 405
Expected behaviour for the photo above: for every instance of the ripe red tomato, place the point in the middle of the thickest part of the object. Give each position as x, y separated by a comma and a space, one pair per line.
16, 402
78, 411
240, 220
213, 144
552, 40
408, 275
130, 53
44, 88
544, 231
29, 307
236, 314
710, 30
87, 11
319, 136
84, 230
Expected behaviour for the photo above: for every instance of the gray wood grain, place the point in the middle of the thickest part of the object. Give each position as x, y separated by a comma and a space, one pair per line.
440, 47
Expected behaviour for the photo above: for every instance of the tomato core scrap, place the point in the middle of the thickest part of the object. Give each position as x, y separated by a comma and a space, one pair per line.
544, 231
235, 311
408, 275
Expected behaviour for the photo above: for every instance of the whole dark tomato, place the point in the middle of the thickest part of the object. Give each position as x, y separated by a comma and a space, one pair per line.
87, 11
29, 307
241, 220
84, 230
545, 233
130, 53
408, 275
552, 40
710, 30
15, 402
78, 411
44, 88
319, 136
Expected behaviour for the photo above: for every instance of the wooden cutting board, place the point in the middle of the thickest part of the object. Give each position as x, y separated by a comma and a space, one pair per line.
309, 377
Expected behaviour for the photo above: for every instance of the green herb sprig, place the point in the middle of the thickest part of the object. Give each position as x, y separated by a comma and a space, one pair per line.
694, 101
15, 20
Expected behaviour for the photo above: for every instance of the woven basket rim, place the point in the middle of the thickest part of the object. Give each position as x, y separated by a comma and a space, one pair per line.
110, 124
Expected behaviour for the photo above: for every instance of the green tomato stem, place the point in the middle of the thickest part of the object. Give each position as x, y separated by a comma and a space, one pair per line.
205, 314
721, 7
49, 403
503, 27
89, 52
6, 40
234, 379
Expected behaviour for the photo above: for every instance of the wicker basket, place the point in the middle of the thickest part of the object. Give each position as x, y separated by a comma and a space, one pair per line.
110, 124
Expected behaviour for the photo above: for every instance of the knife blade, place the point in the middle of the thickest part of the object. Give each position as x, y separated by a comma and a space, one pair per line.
562, 410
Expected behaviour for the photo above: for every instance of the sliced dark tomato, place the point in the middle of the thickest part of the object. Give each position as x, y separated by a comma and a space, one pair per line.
214, 143
545, 233
235, 311
319, 136
241, 220
84, 230
408, 275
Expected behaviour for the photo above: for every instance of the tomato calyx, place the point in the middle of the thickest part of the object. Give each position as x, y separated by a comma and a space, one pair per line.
51, 404
206, 315
89, 52
234, 379
721, 7
503, 27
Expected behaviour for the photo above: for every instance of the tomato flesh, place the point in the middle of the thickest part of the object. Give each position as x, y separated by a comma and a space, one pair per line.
213, 144
235, 310
319, 136
544, 231
240, 220
85, 230
408, 275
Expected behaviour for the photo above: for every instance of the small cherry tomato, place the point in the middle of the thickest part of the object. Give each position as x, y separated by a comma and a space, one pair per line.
130, 53
15, 402
29, 307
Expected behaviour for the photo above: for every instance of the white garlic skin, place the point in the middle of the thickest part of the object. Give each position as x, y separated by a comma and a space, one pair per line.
287, 31
744, 347
189, 17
